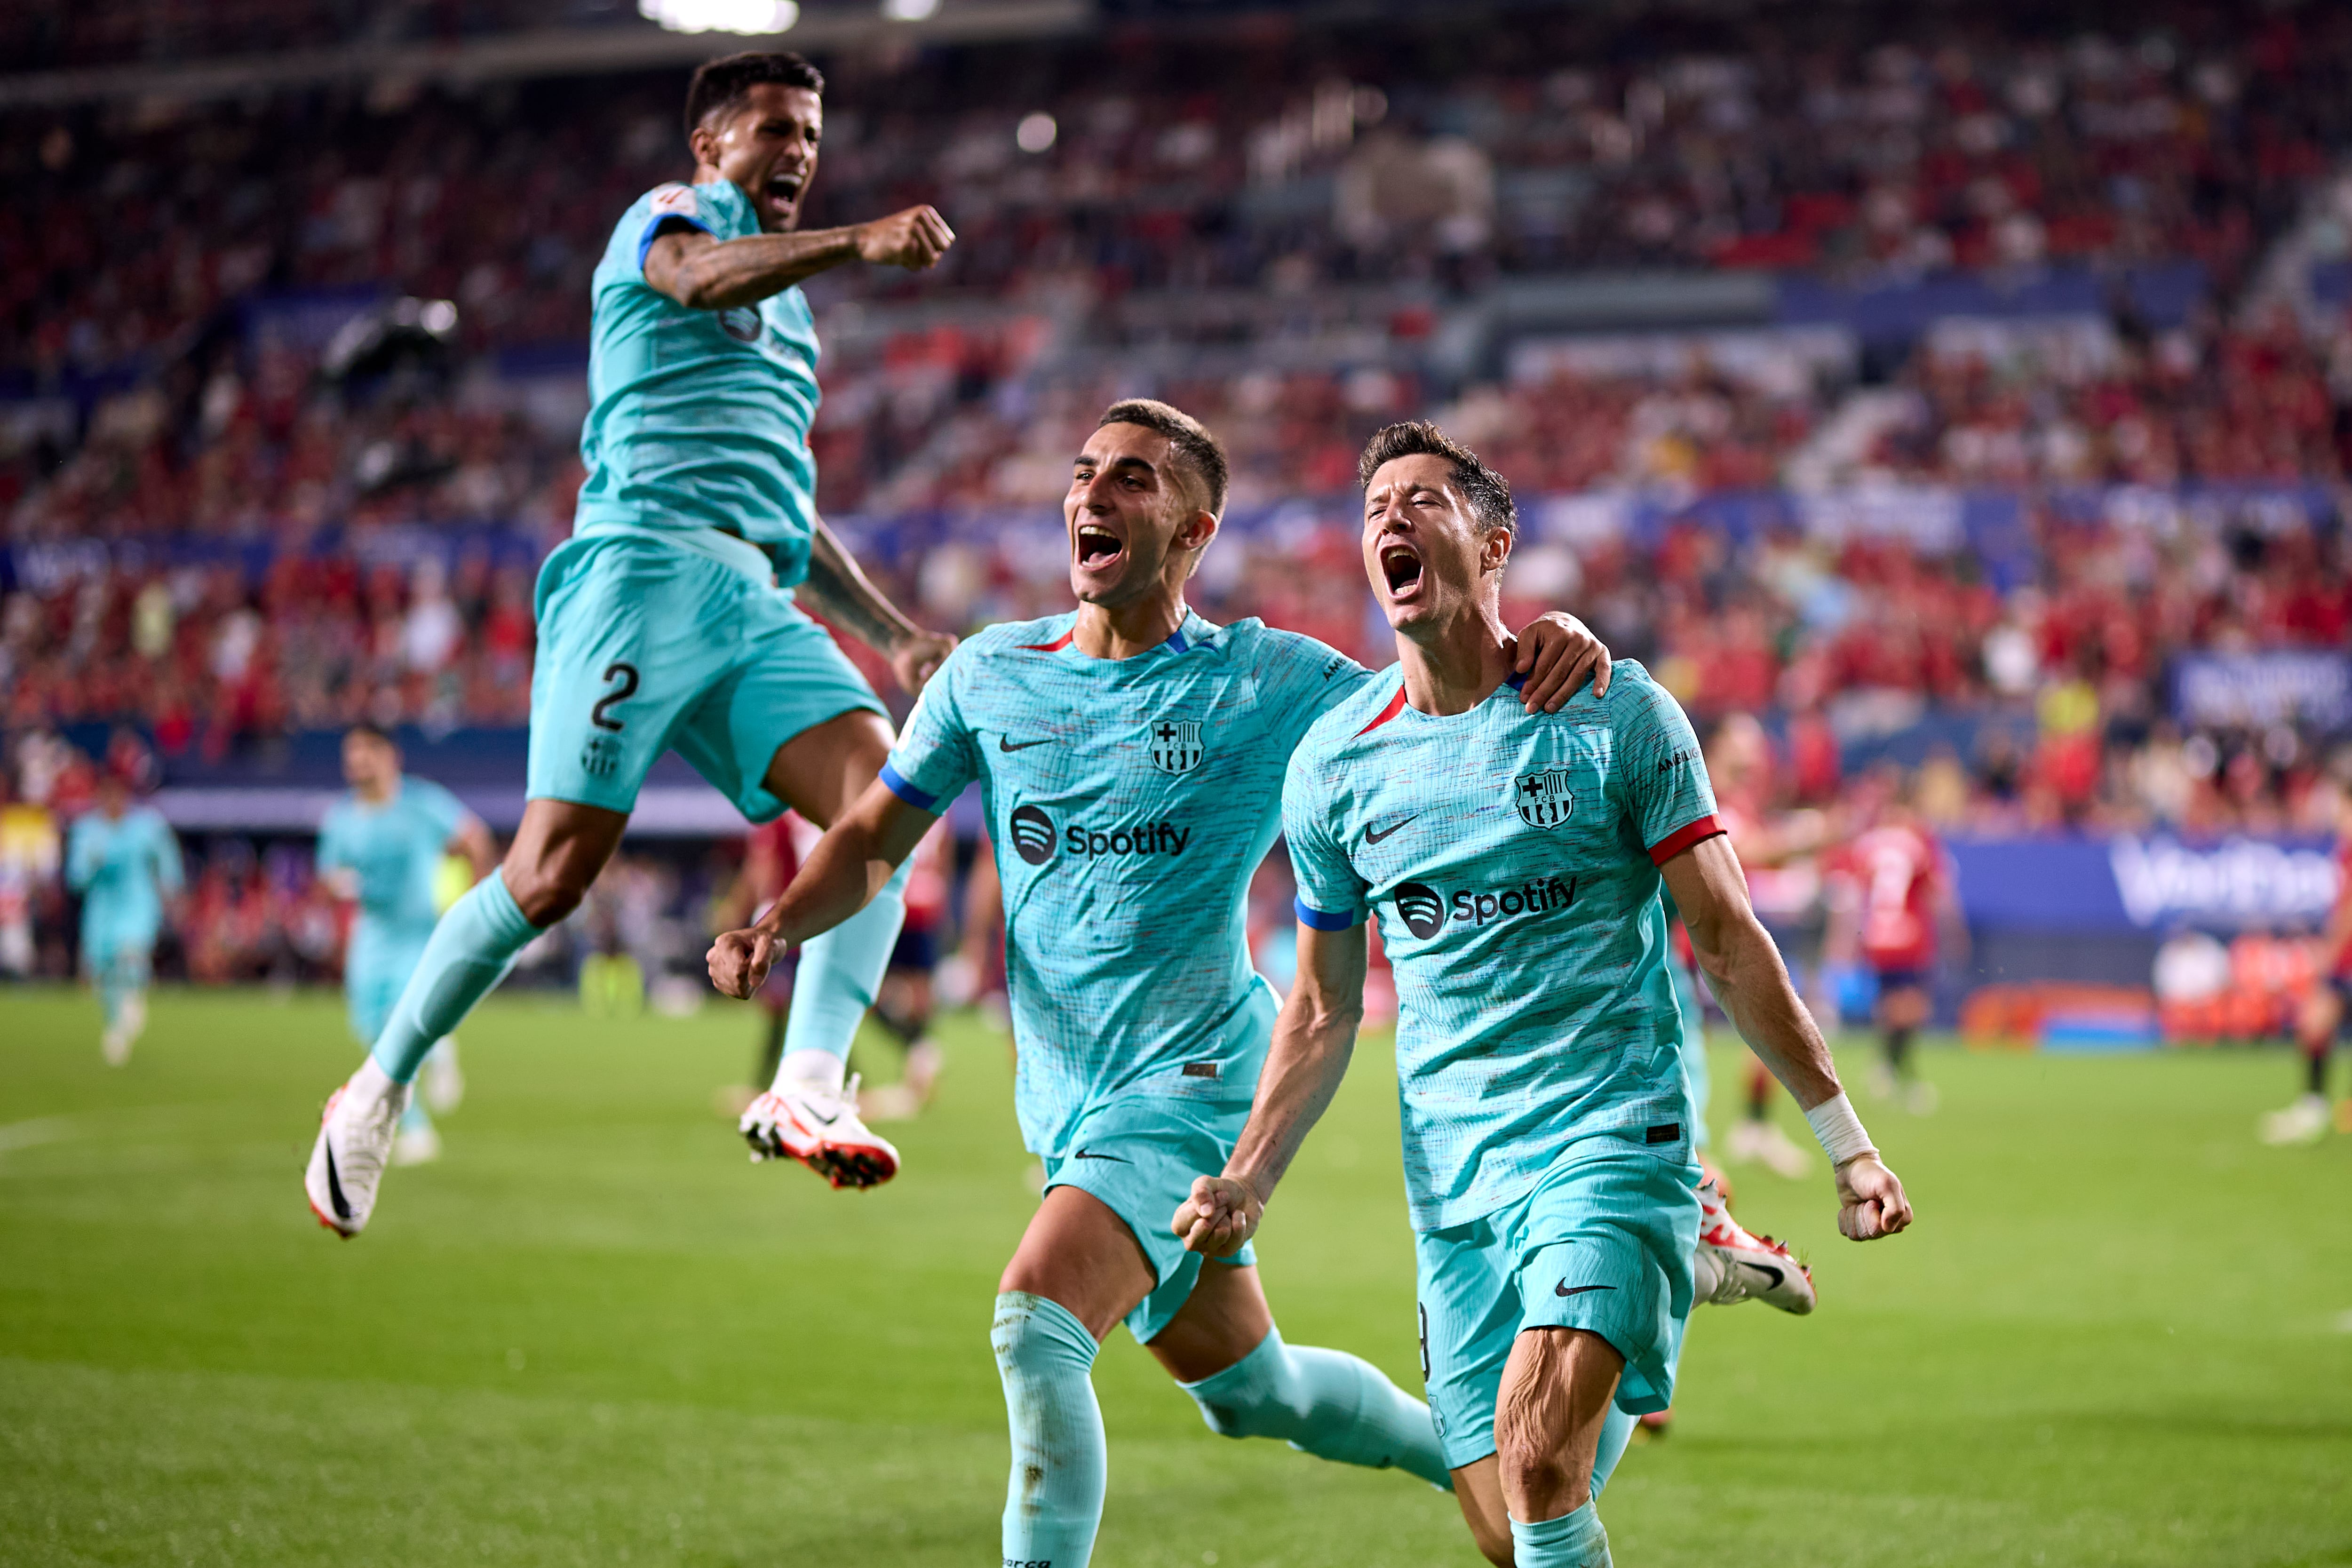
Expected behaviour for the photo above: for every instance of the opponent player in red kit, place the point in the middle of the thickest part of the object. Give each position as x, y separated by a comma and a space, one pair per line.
1890, 895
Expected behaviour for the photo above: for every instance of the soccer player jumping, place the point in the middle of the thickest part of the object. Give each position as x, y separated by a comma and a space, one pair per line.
1514, 860
668, 620
1130, 757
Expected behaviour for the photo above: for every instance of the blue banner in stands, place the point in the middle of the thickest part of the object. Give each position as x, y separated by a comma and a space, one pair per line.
2150, 884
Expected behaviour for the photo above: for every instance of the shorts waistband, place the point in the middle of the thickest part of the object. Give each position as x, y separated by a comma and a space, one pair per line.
740, 554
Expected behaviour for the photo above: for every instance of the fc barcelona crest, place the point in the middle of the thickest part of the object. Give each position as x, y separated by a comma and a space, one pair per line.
1175, 744
1542, 797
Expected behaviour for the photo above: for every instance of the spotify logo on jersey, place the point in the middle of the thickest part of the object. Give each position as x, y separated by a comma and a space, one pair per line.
1032, 834
1421, 908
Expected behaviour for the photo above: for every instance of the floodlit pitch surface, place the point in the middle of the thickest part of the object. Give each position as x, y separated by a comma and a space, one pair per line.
595, 1334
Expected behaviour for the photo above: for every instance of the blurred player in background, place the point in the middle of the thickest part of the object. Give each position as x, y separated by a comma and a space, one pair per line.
772, 854
382, 848
1131, 757
124, 862
1740, 763
667, 619
909, 992
1546, 1121
1891, 895
2319, 1015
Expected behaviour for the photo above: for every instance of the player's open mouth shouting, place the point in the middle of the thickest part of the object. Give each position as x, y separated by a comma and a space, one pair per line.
1401, 568
781, 194
1099, 546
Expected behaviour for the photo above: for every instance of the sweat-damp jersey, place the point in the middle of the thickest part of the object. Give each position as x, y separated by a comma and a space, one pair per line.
1511, 859
1128, 800
698, 418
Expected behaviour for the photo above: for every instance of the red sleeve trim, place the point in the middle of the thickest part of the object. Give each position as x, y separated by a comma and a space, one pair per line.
1395, 707
1057, 646
1681, 838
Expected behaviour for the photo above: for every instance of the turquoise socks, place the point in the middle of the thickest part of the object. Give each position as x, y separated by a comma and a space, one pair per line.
470, 952
1325, 1403
1572, 1540
1054, 1504
1616, 1431
840, 971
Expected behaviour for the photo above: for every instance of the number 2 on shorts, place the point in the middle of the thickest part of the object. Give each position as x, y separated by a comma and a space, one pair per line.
626, 674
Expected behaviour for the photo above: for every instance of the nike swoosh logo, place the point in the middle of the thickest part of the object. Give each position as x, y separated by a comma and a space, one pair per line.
1090, 1154
1373, 834
335, 1186
1768, 1271
1564, 1289
1004, 743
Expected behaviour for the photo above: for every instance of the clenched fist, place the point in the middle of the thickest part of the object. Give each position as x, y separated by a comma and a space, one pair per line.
1871, 1204
739, 961
914, 240
1221, 1215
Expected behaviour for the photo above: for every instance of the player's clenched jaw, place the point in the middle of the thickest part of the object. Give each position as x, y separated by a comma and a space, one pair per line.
765, 144
1136, 518
1432, 561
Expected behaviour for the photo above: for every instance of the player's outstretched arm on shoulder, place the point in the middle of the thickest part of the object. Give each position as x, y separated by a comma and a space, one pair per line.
849, 599
1313, 1039
703, 272
1557, 654
1744, 969
850, 865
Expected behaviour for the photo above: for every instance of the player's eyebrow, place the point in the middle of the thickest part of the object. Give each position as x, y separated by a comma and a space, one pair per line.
1087, 460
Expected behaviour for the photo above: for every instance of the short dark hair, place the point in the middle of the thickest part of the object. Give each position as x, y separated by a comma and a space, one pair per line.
373, 731
1196, 449
726, 81
1488, 493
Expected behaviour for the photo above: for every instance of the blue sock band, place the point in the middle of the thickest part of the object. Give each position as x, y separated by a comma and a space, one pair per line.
1054, 1503
1572, 1540
1325, 1403
470, 952
840, 971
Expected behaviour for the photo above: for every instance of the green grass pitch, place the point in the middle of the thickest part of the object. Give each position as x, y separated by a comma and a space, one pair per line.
594, 1333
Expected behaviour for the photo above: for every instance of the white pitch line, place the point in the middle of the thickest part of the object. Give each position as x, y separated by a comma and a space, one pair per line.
40, 1129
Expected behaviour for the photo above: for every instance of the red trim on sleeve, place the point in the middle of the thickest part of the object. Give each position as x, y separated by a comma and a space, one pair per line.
1681, 838
1395, 707
1057, 646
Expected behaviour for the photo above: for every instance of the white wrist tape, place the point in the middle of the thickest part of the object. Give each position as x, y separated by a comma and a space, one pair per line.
1839, 1130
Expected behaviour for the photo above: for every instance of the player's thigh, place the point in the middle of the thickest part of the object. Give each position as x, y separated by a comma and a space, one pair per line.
1604, 1247
2321, 1013
792, 722
1081, 1254
632, 634
1556, 1390
1223, 1320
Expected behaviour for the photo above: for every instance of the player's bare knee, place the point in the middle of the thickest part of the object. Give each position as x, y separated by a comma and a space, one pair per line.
545, 890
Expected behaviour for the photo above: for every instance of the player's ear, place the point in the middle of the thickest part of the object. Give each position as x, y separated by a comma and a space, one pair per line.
1196, 531
703, 142
1495, 550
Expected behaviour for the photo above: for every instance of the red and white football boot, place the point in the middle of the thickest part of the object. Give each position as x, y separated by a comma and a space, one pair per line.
1731, 1266
819, 1127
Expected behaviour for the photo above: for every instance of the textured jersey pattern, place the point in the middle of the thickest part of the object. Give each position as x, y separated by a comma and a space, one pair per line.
698, 418
1508, 858
1129, 802
394, 850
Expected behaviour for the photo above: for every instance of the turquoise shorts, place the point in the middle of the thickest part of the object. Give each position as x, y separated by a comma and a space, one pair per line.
121, 951
1138, 1155
376, 967
1604, 1243
649, 640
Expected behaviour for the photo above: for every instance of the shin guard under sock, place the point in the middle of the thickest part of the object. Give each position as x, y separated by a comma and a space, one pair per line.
1052, 1504
1572, 1540
469, 953
1325, 1403
840, 971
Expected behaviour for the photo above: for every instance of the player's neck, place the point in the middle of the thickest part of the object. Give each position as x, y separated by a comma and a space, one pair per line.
378, 795
1122, 631
1457, 665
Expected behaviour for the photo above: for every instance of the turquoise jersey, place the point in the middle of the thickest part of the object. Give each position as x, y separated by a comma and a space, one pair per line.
698, 418
394, 850
1129, 801
1511, 859
122, 867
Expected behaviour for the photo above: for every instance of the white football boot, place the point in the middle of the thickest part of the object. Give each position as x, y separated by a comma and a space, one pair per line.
819, 1127
2304, 1121
1731, 1266
356, 1134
